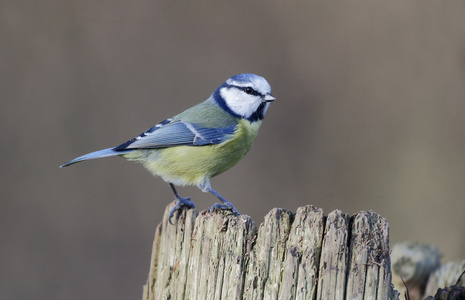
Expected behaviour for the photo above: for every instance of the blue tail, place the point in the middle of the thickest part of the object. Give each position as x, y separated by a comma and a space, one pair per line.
96, 154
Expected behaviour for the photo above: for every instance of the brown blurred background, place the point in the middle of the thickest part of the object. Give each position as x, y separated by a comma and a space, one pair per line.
370, 115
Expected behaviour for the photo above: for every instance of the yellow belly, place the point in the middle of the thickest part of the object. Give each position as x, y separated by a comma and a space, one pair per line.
193, 165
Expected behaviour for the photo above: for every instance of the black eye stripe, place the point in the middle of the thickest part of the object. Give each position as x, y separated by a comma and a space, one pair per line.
243, 88
249, 90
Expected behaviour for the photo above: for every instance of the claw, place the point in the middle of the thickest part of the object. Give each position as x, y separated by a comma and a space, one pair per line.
226, 204
219, 206
181, 203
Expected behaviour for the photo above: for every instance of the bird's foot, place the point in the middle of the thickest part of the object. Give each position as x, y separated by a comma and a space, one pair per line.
225, 206
228, 206
181, 203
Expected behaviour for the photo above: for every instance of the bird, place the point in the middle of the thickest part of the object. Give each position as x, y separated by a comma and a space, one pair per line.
201, 142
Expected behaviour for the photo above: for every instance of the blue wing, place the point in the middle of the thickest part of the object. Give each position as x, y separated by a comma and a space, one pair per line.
177, 133
165, 134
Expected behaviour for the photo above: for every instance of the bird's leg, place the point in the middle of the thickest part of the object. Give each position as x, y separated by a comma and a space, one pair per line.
226, 204
180, 203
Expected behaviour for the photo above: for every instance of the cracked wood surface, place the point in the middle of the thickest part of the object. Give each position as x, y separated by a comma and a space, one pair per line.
290, 256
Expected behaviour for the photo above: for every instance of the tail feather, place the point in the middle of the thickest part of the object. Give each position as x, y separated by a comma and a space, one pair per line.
97, 154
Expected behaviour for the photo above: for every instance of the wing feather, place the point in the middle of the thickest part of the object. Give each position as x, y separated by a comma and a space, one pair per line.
178, 133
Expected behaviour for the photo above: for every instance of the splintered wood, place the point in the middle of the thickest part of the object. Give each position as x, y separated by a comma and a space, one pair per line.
291, 256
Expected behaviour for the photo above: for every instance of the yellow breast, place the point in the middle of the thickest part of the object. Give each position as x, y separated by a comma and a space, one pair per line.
192, 165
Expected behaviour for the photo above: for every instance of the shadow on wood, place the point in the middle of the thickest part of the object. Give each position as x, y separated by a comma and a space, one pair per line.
291, 256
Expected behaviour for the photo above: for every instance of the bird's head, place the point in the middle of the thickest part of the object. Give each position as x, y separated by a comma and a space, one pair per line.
245, 96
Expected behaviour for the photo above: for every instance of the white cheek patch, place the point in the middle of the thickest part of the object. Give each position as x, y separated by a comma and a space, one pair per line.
239, 102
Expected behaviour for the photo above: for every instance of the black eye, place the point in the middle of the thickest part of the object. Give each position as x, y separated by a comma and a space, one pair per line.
249, 90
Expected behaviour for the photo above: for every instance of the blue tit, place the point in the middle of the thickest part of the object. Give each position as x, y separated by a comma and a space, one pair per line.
201, 142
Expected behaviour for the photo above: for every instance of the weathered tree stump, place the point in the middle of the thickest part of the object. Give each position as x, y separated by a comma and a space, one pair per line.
291, 256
